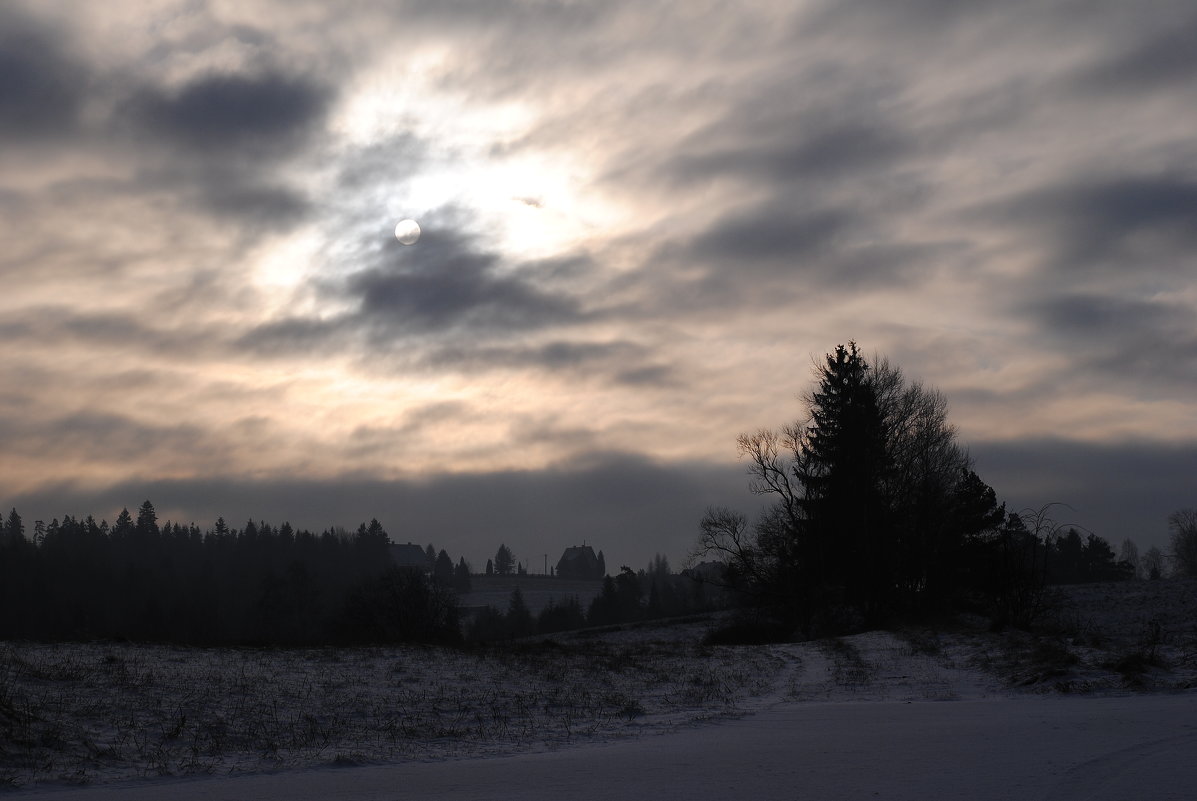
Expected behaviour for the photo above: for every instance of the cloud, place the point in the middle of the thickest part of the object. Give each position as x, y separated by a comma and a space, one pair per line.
556, 355
852, 148
611, 503
444, 286
222, 141
199, 198
295, 335
1108, 225
103, 438
1146, 346
42, 88
374, 166
1084, 316
769, 234
1115, 489
909, 18
250, 203
68, 327
465, 291
263, 116
1162, 59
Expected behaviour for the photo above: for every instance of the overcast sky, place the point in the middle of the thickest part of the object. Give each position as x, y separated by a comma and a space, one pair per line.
642, 223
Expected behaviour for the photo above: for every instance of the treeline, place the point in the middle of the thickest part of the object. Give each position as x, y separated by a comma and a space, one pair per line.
446, 574
79, 579
1071, 559
629, 597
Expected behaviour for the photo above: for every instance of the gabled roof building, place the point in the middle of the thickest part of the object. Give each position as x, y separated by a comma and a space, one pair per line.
580, 562
410, 557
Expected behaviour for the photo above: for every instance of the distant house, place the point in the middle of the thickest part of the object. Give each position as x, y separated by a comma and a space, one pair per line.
580, 562
411, 557
708, 572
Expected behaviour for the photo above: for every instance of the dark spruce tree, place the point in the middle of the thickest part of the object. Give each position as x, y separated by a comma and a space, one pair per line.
442, 570
461, 577
504, 561
845, 542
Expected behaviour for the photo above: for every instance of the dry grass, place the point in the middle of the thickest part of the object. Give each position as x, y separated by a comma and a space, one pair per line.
100, 712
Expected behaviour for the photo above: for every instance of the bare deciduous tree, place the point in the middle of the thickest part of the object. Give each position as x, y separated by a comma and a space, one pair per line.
1153, 563
1130, 555
1183, 525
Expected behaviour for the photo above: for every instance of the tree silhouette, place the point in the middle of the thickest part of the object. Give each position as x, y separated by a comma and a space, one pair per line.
461, 577
842, 468
874, 504
1153, 563
504, 561
1130, 555
14, 529
519, 618
147, 522
1183, 525
442, 570
147, 581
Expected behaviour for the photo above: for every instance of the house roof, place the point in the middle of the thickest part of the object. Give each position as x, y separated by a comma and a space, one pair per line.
409, 555
574, 552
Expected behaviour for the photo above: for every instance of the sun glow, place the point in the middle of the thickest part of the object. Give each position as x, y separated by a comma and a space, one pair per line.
528, 202
529, 206
281, 265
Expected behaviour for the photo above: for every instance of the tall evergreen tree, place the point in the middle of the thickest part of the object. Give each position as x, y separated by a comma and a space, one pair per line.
461, 577
519, 617
504, 561
124, 527
845, 541
442, 569
15, 529
147, 521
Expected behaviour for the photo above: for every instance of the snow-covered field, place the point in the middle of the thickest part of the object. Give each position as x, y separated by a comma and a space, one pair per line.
95, 713
1096, 706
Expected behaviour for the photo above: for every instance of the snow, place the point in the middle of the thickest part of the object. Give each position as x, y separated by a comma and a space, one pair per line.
915, 715
1136, 746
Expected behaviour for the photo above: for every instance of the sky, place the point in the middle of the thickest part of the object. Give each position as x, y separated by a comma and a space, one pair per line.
642, 224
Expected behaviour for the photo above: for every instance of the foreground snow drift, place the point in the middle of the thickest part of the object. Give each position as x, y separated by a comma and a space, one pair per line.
1055, 748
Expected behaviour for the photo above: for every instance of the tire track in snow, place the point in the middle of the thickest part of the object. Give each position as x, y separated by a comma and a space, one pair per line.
1130, 773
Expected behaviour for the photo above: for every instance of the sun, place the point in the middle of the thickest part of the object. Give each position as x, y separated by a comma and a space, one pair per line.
407, 232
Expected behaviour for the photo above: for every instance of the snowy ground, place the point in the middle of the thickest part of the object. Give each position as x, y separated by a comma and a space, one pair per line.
1095, 707
103, 712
